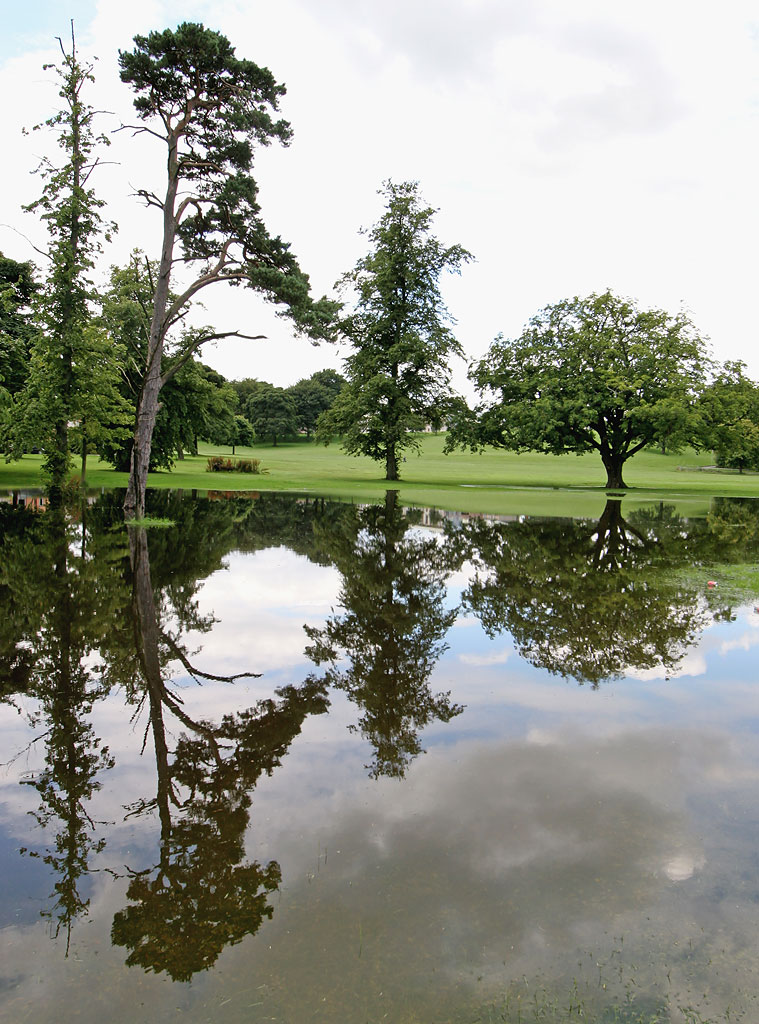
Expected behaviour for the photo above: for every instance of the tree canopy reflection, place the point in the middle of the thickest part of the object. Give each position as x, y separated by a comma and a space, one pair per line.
393, 592
593, 600
61, 607
94, 613
93, 610
203, 894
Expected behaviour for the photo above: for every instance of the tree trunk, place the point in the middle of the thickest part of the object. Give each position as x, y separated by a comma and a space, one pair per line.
613, 466
147, 403
147, 410
84, 452
146, 634
58, 463
391, 504
391, 464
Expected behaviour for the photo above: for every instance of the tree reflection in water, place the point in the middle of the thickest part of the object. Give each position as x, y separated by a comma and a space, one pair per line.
92, 609
393, 592
78, 586
202, 895
593, 600
61, 608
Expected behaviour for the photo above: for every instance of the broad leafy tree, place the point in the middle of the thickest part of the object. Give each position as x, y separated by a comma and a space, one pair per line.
234, 432
17, 287
398, 374
196, 402
588, 375
247, 387
313, 396
219, 407
729, 418
208, 109
271, 412
243, 433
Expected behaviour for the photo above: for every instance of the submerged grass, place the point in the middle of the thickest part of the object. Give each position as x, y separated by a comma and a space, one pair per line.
492, 482
734, 584
527, 1004
151, 522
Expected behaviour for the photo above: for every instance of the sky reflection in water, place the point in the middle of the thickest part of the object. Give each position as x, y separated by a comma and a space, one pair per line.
178, 833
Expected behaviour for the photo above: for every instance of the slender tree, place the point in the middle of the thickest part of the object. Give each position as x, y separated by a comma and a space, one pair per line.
209, 109
71, 211
398, 374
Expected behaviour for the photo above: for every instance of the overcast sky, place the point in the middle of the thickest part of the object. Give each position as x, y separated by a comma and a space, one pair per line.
569, 147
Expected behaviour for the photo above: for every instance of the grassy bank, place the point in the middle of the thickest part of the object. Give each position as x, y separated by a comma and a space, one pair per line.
494, 481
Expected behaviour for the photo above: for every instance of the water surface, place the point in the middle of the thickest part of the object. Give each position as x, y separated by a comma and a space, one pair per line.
296, 760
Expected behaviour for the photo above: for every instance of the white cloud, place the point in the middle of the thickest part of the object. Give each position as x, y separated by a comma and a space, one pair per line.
481, 660
569, 147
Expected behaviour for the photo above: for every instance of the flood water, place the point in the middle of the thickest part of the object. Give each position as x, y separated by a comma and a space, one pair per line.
293, 760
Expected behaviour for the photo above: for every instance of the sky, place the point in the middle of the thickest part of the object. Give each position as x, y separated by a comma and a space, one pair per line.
570, 147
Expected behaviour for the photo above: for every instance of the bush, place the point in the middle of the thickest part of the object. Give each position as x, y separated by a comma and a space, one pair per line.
222, 464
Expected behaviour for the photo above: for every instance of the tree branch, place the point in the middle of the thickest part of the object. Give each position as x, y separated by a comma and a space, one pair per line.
195, 672
138, 129
191, 350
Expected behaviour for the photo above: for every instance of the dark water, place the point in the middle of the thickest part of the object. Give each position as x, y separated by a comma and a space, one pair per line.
293, 760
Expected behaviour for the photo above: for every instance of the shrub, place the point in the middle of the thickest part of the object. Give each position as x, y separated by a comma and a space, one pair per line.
222, 464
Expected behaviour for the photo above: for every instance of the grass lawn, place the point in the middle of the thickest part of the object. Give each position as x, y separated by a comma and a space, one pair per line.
495, 481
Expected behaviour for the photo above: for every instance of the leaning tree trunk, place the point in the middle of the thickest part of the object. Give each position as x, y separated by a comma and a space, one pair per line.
147, 411
147, 404
146, 633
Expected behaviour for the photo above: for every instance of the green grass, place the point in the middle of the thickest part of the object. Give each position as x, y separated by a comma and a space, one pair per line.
735, 584
491, 482
151, 522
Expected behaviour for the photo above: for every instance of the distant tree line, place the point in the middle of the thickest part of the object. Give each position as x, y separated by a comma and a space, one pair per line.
197, 402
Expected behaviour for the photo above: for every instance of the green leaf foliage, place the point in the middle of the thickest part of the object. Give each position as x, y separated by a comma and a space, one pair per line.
62, 362
271, 412
313, 396
398, 373
17, 289
591, 374
209, 109
729, 418
383, 646
196, 401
